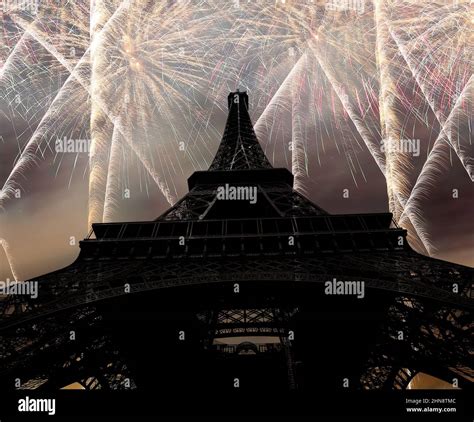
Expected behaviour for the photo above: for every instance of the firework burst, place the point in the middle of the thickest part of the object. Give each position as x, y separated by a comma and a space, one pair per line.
143, 79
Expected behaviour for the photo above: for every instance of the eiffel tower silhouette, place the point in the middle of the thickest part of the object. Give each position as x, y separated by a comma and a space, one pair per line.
243, 284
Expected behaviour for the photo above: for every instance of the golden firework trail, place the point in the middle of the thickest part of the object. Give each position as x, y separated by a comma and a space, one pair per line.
6, 248
299, 165
437, 161
461, 150
397, 163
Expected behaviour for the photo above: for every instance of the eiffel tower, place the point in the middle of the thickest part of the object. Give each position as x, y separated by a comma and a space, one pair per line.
228, 289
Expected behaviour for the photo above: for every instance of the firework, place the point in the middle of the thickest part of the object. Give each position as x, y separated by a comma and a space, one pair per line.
144, 81
6, 248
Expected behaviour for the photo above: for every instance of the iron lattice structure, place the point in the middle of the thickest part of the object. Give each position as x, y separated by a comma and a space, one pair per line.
226, 288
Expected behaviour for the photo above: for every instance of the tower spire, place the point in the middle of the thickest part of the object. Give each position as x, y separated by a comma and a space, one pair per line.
239, 148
